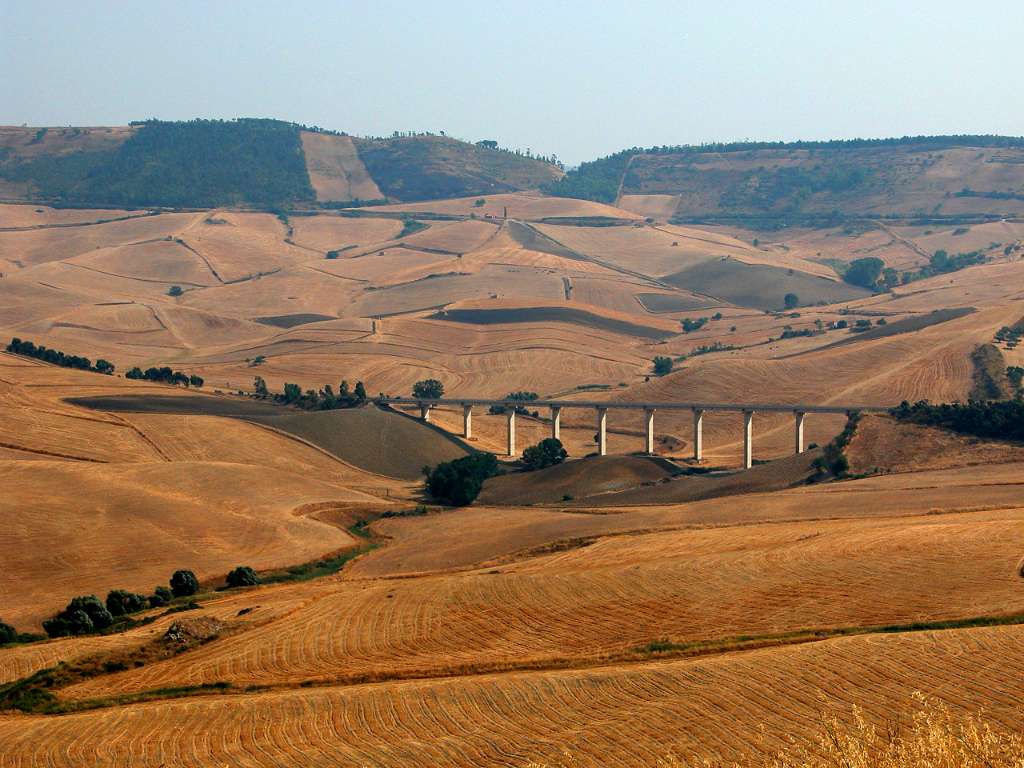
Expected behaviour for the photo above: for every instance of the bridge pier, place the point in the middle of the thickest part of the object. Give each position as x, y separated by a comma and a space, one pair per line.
649, 430
556, 422
748, 439
425, 413
511, 431
799, 431
467, 421
698, 434
602, 431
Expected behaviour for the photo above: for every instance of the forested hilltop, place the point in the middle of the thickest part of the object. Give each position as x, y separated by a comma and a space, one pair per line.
920, 177
251, 162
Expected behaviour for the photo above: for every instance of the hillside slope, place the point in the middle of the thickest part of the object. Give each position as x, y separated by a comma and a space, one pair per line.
914, 177
248, 161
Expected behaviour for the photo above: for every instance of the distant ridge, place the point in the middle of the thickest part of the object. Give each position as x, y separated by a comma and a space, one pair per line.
913, 177
253, 162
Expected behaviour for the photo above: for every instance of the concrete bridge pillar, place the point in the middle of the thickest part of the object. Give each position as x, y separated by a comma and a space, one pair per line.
698, 434
425, 413
602, 431
799, 432
511, 431
467, 421
748, 439
556, 422
649, 430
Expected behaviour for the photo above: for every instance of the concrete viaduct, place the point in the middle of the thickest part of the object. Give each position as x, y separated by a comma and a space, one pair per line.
601, 409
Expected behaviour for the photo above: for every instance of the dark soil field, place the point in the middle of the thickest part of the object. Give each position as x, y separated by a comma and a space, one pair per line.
576, 480
773, 476
290, 321
908, 325
371, 438
760, 286
551, 315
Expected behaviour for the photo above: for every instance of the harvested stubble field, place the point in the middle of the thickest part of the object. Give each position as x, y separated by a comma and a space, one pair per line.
638, 618
627, 715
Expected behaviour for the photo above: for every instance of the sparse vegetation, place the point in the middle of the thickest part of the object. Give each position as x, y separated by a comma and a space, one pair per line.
690, 324
834, 458
208, 163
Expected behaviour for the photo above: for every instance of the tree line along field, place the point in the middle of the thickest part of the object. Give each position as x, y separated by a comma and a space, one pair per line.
651, 612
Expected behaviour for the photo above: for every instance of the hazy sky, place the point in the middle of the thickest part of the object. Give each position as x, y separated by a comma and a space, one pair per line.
579, 79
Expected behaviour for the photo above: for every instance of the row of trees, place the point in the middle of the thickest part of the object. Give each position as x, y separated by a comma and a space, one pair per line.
165, 375
870, 272
56, 357
993, 419
86, 614
325, 399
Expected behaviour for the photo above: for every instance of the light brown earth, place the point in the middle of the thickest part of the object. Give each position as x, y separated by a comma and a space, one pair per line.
519, 627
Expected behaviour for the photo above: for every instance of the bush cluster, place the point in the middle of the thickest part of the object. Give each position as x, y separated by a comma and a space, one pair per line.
546, 453
165, 375
459, 482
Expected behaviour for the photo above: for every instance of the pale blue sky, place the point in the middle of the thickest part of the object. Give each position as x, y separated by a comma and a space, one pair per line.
579, 79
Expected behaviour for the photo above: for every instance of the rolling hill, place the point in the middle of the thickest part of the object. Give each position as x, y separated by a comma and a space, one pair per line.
249, 162
911, 178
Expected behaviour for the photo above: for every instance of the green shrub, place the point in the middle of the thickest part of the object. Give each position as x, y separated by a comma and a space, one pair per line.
184, 583
662, 365
120, 602
243, 576
84, 614
8, 634
546, 453
459, 482
161, 596
428, 389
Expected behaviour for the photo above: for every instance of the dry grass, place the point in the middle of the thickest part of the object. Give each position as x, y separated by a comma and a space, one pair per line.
934, 737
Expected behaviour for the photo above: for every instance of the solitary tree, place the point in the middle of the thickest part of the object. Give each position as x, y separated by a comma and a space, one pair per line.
8, 634
865, 272
184, 583
662, 365
428, 389
243, 576
175, 290
546, 453
791, 300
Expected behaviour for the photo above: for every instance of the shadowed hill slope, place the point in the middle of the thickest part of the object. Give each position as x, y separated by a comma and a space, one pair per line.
379, 441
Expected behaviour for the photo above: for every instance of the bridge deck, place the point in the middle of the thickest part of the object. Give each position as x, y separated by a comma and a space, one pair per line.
653, 406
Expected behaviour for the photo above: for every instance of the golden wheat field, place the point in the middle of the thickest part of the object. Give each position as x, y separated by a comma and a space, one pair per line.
614, 610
